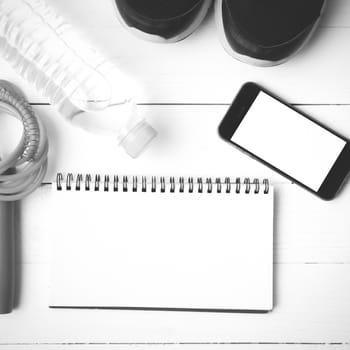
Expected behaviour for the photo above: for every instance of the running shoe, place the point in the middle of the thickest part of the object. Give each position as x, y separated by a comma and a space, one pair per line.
162, 20
266, 32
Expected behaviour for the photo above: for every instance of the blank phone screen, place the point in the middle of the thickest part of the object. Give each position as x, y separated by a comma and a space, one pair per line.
288, 141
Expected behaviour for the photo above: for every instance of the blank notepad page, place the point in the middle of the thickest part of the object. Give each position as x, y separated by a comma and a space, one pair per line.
185, 250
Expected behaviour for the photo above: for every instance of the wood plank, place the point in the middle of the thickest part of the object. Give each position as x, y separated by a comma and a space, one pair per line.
312, 306
88, 14
308, 230
197, 70
187, 142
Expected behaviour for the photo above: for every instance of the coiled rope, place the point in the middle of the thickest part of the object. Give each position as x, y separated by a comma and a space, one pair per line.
24, 169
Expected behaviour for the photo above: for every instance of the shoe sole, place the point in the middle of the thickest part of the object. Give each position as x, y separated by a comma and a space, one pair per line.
250, 60
159, 39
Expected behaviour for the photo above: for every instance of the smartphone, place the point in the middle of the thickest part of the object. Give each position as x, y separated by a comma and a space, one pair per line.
287, 140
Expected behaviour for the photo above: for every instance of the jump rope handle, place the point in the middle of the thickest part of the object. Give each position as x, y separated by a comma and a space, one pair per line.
7, 256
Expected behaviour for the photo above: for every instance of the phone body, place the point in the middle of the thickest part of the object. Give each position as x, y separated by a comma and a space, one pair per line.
287, 140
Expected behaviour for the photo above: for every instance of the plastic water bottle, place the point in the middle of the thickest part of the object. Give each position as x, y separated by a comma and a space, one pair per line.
87, 89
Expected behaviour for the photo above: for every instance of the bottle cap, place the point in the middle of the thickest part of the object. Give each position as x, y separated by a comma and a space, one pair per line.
138, 138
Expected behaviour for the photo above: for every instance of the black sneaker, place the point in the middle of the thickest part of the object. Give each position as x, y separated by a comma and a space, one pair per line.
266, 32
162, 20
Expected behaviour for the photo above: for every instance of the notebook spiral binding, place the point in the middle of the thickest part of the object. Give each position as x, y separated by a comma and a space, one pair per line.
131, 183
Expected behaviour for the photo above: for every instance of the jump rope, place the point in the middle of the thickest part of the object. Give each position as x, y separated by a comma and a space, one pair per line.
21, 173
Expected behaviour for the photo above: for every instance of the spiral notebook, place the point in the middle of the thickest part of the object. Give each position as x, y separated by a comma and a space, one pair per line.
162, 243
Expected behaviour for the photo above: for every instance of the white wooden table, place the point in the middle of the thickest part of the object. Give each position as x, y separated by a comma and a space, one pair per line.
184, 91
